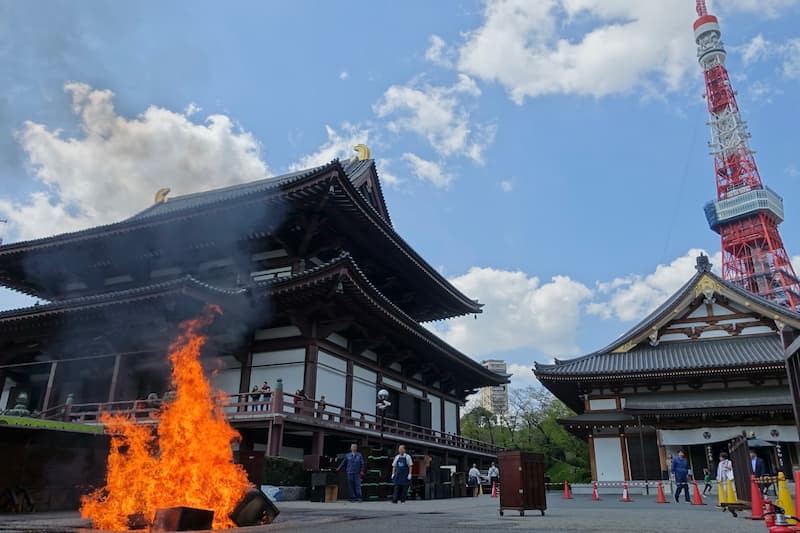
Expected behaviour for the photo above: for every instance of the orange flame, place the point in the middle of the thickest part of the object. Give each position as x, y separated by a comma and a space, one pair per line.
188, 463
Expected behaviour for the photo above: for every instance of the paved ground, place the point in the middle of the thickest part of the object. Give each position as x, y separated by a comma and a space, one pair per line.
457, 515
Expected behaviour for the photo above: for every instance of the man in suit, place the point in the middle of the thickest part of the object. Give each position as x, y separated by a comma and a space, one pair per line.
353, 463
757, 468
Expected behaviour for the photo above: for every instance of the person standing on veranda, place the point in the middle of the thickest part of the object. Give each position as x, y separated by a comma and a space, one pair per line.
353, 464
401, 474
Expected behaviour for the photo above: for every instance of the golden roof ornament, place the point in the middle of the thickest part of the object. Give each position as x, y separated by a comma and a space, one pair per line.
362, 152
161, 196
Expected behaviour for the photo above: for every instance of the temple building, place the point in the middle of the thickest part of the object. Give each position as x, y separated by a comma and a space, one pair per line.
322, 301
703, 368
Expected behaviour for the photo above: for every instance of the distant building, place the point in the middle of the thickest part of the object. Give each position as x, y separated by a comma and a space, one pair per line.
495, 399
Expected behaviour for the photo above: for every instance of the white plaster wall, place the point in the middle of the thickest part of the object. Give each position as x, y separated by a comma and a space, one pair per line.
608, 459
365, 392
331, 378
603, 404
288, 365
450, 417
436, 412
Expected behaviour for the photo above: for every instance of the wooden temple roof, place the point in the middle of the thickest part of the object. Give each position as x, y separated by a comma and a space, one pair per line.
641, 355
673, 359
365, 220
340, 278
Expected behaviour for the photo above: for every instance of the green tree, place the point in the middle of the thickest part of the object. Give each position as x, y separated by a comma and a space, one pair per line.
532, 425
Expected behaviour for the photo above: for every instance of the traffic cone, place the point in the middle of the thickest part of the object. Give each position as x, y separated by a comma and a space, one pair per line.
494, 489
785, 497
756, 503
732, 497
660, 498
696, 498
626, 496
722, 497
595, 496
567, 494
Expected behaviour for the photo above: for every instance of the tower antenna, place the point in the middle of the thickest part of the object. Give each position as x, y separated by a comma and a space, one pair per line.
746, 214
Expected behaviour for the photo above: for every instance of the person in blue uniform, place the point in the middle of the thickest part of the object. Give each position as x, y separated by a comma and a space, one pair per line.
353, 463
680, 468
401, 474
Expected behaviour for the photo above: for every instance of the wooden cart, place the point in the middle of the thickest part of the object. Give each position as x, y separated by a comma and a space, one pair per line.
522, 485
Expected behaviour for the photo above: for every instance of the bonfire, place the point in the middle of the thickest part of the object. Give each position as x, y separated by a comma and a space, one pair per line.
186, 461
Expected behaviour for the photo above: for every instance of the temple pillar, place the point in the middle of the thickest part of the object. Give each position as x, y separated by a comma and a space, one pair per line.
275, 438
348, 388
49, 390
244, 378
592, 460
310, 376
623, 445
318, 443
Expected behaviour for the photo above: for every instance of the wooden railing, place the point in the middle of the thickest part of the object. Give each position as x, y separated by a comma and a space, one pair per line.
257, 406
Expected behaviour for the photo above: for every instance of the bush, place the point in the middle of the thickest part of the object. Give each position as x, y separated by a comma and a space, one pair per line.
560, 472
284, 472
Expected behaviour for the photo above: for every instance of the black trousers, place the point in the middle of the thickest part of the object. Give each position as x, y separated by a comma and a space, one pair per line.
399, 493
682, 486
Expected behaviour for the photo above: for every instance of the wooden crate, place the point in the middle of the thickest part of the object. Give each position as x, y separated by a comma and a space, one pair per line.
522, 485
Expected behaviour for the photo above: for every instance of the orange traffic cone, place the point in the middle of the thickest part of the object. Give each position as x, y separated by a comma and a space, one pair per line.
757, 504
494, 489
660, 498
595, 496
626, 496
567, 494
696, 498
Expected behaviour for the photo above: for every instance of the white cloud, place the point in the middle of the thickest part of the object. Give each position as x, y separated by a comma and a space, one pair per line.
113, 169
438, 115
796, 264
343, 75
762, 92
386, 176
769, 9
633, 297
791, 59
522, 376
523, 45
756, 50
519, 312
438, 52
339, 144
428, 170
506, 186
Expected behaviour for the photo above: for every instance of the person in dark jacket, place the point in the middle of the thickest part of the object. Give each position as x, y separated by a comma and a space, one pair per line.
353, 464
757, 468
680, 469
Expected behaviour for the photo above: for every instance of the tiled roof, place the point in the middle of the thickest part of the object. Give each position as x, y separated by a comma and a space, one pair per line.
205, 198
673, 357
117, 297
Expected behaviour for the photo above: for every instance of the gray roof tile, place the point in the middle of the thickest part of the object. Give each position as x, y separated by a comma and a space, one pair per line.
739, 351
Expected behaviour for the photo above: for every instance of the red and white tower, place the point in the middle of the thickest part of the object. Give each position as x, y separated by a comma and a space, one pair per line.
746, 214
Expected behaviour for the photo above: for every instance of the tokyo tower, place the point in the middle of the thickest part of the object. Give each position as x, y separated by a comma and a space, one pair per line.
746, 214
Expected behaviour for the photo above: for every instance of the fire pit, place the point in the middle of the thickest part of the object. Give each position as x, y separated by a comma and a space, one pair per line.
182, 468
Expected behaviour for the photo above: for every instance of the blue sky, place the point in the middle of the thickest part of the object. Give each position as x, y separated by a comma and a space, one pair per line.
549, 156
